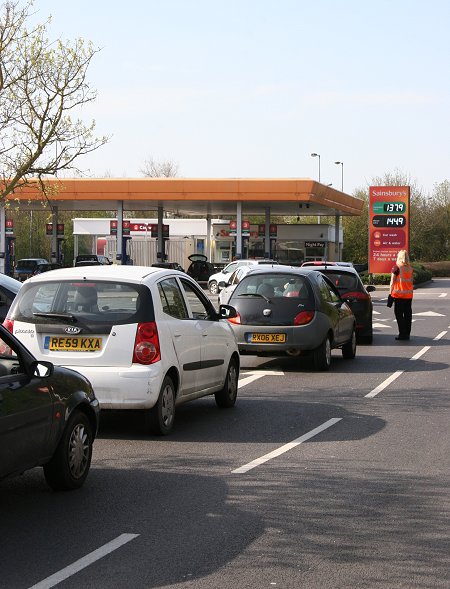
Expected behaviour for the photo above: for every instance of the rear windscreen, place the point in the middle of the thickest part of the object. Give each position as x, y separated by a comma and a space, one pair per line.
343, 281
26, 264
96, 302
274, 286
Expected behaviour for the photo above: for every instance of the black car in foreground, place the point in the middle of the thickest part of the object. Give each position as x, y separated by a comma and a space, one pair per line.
286, 311
350, 287
9, 287
48, 417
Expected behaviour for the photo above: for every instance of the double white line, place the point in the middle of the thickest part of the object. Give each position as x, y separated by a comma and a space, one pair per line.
394, 376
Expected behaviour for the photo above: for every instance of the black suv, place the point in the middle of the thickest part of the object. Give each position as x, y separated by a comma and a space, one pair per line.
199, 269
26, 267
91, 260
48, 417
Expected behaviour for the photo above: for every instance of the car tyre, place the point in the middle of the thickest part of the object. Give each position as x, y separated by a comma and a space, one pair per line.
161, 417
70, 463
365, 339
322, 355
213, 288
349, 349
226, 397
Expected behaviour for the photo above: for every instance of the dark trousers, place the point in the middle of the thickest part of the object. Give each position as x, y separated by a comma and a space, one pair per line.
403, 314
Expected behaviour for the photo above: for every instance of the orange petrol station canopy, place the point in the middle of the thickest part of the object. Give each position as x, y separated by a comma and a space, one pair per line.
193, 196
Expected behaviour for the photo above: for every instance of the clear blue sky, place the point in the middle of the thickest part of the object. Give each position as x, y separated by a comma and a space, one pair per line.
249, 88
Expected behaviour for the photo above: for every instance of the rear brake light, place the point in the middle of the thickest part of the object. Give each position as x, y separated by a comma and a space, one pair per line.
236, 320
304, 317
78, 284
146, 344
360, 296
9, 325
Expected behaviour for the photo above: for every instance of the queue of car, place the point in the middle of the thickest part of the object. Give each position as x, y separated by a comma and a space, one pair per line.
148, 338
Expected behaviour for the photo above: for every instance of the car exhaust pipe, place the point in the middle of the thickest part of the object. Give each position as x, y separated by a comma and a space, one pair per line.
293, 352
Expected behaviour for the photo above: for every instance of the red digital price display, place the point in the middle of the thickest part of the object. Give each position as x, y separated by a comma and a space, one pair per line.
388, 226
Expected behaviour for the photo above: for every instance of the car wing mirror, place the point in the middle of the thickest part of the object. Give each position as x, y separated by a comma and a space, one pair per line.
223, 284
42, 369
227, 312
371, 288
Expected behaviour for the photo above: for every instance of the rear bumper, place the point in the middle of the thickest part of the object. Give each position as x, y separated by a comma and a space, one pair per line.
298, 340
134, 387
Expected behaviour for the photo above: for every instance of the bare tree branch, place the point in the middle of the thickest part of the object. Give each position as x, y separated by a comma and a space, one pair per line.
43, 86
154, 169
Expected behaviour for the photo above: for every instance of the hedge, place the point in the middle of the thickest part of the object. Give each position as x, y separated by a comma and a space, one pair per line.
421, 275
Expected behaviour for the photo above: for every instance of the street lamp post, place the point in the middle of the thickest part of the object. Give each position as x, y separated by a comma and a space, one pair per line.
342, 174
336, 230
317, 155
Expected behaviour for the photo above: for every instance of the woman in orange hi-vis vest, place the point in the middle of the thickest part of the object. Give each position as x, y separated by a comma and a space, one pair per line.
401, 288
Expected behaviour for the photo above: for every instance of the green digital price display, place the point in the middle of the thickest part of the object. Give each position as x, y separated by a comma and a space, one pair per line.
389, 221
389, 207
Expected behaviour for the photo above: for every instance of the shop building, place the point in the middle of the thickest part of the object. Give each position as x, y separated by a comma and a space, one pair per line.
289, 243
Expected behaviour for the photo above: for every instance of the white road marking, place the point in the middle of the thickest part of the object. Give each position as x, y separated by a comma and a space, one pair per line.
84, 562
248, 379
286, 447
394, 376
376, 312
420, 353
440, 335
256, 374
384, 384
382, 325
431, 295
429, 314
264, 372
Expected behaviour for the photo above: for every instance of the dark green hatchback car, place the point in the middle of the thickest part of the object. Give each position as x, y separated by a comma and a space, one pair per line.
48, 417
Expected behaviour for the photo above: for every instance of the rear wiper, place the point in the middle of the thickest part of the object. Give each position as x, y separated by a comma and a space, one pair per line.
67, 316
254, 294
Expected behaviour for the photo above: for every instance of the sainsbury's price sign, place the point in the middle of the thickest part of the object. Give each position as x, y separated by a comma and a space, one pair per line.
388, 226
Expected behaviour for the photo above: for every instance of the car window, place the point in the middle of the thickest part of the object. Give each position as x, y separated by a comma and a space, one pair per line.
344, 282
230, 268
327, 291
198, 306
5, 298
27, 264
7, 353
89, 302
171, 299
274, 286
236, 277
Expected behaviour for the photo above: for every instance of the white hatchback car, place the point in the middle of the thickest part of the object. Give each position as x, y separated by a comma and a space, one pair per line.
224, 275
146, 338
228, 288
